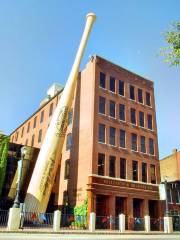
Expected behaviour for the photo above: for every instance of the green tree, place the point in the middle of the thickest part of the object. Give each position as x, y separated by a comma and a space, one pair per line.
4, 145
172, 51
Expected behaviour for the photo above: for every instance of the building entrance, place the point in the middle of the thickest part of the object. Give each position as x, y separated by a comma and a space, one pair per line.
137, 208
102, 205
120, 206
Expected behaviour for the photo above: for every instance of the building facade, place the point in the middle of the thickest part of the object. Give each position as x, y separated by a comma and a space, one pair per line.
110, 154
170, 172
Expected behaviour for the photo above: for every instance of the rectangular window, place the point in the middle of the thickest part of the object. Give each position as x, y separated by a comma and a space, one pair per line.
35, 119
101, 164
122, 138
102, 80
70, 118
123, 168
42, 116
144, 172
22, 132
133, 141
112, 84
101, 133
51, 109
102, 105
151, 146
133, 116
28, 127
131, 92
112, 162
112, 107
141, 119
135, 170
143, 144
40, 136
67, 169
112, 134
17, 134
169, 195
140, 95
149, 117
153, 173
32, 140
122, 112
176, 196
69, 141
148, 99
121, 88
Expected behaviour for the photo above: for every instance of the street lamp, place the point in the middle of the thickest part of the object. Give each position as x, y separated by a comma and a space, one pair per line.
167, 207
20, 167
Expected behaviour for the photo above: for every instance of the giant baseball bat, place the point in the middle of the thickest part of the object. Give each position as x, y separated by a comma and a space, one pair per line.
43, 176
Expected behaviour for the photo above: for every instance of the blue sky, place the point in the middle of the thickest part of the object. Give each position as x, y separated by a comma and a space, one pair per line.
39, 39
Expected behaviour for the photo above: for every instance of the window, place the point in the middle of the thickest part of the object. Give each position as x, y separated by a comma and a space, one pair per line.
65, 198
32, 140
112, 161
17, 134
149, 117
28, 127
151, 146
42, 116
112, 84
112, 106
12, 139
122, 138
153, 174
121, 88
35, 119
133, 141
101, 164
69, 141
143, 144
22, 132
140, 95
70, 118
135, 170
133, 116
51, 109
112, 133
102, 105
169, 196
66, 169
102, 80
40, 136
123, 168
131, 92
144, 172
101, 133
176, 196
122, 112
141, 119
148, 99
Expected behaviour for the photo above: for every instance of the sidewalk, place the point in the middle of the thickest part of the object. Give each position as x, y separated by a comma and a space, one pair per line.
111, 232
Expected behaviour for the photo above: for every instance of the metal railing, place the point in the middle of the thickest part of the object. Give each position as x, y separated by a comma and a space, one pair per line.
73, 222
36, 220
176, 223
136, 224
156, 224
4, 214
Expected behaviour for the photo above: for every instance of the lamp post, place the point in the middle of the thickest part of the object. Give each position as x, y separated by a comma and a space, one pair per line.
167, 207
20, 166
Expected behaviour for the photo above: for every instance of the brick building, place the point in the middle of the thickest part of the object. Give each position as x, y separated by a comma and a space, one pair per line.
110, 153
170, 171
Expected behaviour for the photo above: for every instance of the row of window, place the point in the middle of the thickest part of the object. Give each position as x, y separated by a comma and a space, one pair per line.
41, 120
122, 113
173, 195
121, 89
122, 139
123, 168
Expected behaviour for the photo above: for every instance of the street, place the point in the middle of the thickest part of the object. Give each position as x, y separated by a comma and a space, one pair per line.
36, 236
